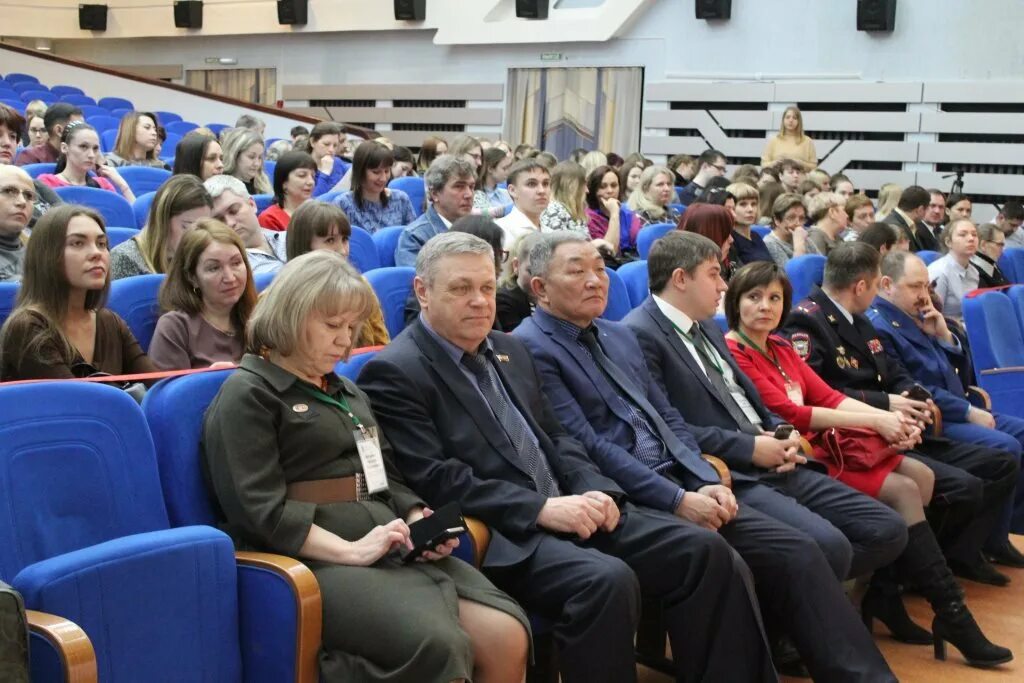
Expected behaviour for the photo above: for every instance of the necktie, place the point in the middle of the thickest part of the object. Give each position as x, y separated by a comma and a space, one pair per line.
717, 379
679, 451
512, 422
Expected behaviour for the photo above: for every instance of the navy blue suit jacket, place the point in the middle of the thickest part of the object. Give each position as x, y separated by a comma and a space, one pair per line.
590, 408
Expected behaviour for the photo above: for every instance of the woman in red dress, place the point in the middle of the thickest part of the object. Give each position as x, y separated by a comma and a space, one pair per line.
758, 300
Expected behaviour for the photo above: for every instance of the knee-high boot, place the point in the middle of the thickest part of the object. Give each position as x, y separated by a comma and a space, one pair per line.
883, 601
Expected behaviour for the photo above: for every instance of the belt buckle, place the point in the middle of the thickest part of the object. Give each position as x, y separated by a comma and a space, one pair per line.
362, 492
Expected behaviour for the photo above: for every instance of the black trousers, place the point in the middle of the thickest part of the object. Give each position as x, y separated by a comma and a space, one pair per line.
591, 590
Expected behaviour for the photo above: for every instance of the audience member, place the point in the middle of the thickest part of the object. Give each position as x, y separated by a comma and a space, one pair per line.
514, 301
788, 238
960, 206
266, 461
450, 182
404, 165
745, 173
607, 218
17, 196
56, 119
243, 159
1009, 219
278, 149
860, 214
910, 209
934, 219
265, 249
206, 300
293, 184
529, 184
828, 212
431, 148
567, 209
81, 164
11, 128
637, 438
323, 144
823, 179
757, 303
683, 167
749, 245
371, 204
714, 222
883, 238
991, 243
490, 199
593, 160
808, 188
136, 143
629, 179
649, 201
842, 186
468, 147
253, 123
199, 155
791, 142
60, 328
710, 164
767, 193
35, 111
769, 174
888, 197
455, 439
953, 275
177, 206
791, 174
298, 131
615, 161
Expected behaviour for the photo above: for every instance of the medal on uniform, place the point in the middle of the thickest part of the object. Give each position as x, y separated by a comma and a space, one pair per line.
855, 363
874, 346
831, 318
842, 362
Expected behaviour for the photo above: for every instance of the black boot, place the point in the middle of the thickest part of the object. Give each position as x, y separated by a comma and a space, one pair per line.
953, 621
882, 601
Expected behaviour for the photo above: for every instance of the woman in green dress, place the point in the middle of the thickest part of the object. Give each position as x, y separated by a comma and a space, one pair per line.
281, 452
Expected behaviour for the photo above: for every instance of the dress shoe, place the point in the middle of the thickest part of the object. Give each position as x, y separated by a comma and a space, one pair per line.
787, 660
1006, 555
980, 572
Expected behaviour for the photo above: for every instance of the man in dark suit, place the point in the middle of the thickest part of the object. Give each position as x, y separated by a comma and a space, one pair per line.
929, 229
973, 484
709, 390
595, 376
907, 217
463, 408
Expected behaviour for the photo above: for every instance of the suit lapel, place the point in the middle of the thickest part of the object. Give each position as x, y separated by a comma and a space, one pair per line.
677, 345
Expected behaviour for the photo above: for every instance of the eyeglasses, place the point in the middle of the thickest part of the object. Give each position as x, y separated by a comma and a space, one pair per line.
12, 192
998, 244
722, 169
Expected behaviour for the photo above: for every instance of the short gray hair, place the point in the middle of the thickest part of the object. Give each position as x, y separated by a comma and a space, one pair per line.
986, 231
678, 249
444, 168
321, 281
895, 263
428, 261
219, 184
249, 121
544, 250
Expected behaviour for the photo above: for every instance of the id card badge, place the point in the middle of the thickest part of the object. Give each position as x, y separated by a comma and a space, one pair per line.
748, 410
796, 395
373, 461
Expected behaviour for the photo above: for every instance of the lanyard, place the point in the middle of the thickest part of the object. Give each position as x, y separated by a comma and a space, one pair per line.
769, 356
711, 356
341, 402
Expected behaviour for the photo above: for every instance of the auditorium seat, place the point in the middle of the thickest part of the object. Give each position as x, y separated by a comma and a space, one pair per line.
262, 201
140, 208
61, 90
103, 122
116, 236
36, 170
114, 208
329, 197
268, 168
108, 140
143, 179
928, 256
678, 208
1016, 294
217, 127
386, 240
13, 78
350, 368
112, 103
362, 250
997, 349
649, 234
77, 100
263, 280
28, 86
634, 277
16, 105
722, 323
392, 286
120, 112
167, 117
415, 188
804, 273
90, 112
619, 305
180, 127
135, 300
41, 95
1012, 264
762, 230
8, 298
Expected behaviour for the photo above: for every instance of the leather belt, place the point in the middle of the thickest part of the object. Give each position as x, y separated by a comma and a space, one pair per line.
326, 491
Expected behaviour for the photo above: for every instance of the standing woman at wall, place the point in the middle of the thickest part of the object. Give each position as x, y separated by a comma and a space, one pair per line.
137, 141
243, 159
791, 142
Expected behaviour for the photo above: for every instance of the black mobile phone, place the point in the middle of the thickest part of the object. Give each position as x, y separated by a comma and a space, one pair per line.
446, 523
783, 431
918, 393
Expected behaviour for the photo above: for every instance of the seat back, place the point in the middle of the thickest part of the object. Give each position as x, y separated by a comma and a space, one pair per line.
804, 272
649, 234
618, 306
135, 300
108, 140
167, 117
269, 167
141, 208
1015, 257
928, 255
103, 122
350, 368
77, 468
415, 188
386, 240
762, 230
114, 208
42, 95
216, 128
634, 277
174, 409
262, 201
181, 127
36, 170
75, 99
15, 77
143, 179
66, 90
93, 111
263, 280
1016, 294
392, 286
994, 343
1007, 265
362, 250
8, 298
116, 236
112, 103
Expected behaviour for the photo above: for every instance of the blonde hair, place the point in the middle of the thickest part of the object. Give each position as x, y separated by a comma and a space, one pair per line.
567, 183
799, 122
888, 198
125, 143
639, 201
236, 142
819, 204
321, 281
743, 190
592, 160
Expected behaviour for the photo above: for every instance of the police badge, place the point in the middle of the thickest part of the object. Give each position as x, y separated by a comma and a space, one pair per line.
801, 344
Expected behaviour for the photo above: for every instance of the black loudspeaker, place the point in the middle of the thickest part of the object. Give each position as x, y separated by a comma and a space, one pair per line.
293, 12
410, 10
532, 9
92, 17
876, 15
713, 9
188, 14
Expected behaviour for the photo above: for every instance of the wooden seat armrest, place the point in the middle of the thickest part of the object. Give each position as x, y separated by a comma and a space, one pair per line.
981, 395
68, 638
1004, 371
481, 536
721, 468
308, 606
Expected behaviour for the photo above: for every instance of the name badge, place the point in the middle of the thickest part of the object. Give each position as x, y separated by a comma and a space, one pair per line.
796, 395
373, 461
748, 410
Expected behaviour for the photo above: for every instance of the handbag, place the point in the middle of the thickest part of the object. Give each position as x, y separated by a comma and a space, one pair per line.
851, 448
13, 637
136, 390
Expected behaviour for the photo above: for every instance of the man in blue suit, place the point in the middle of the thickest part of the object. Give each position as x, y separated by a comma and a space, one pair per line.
915, 334
451, 182
703, 382
598, 384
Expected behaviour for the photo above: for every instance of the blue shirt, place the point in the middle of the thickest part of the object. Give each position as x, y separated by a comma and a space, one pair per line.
325, 183
750, 250
416, 235
372, 216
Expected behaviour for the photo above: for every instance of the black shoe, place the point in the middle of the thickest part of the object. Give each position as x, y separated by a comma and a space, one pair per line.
980, 572
787, 660
1007, 555
956, 625
889, 610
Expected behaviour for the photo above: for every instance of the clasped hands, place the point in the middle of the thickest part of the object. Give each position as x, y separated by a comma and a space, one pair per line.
777, 455
581, 515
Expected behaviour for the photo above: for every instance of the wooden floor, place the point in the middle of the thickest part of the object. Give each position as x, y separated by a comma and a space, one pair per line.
1000, 613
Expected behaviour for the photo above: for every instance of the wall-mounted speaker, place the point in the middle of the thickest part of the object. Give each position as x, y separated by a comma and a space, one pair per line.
92, 17
188, 14
293, 12
410, 10
532, 9
713, 9
876, 15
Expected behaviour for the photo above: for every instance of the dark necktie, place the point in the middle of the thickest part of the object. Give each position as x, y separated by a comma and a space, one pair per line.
711, 365
677, 448
512, 422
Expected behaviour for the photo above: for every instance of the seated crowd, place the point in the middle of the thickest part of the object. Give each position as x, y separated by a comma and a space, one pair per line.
734, 480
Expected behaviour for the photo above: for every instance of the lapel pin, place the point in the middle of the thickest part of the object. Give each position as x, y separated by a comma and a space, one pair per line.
300, 407
502, 358
831, 318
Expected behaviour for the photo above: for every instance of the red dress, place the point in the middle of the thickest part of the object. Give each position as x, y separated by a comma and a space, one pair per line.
772, 385
274, 218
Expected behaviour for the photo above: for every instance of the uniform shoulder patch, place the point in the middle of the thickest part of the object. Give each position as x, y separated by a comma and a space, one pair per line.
807, 306
801, 342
